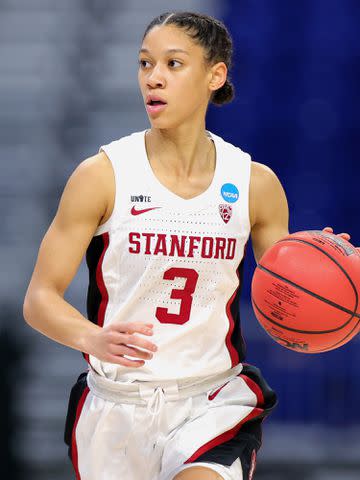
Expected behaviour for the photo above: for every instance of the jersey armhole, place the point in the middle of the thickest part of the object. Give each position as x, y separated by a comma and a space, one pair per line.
245, 173
105, 227
249, 160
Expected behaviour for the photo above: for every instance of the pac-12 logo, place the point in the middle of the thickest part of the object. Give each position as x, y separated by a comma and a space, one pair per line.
225, 212
229, 192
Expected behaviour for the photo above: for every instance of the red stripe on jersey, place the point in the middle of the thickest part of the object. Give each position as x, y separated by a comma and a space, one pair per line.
100, 282
234, 355
224, 437
74, 452
254, 387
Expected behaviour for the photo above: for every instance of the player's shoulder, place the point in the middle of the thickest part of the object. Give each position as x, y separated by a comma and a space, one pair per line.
264, 192
94, 168
262, 176
100, 163
92, 179
99, 166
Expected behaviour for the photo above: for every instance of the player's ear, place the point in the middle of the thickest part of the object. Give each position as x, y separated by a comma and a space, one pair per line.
218, 76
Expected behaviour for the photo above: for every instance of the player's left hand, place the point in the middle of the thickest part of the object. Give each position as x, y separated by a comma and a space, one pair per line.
345, 236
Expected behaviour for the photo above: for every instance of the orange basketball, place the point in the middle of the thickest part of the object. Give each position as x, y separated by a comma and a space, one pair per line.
305, 291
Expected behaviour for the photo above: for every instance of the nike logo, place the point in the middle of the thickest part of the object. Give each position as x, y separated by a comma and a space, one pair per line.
138, 212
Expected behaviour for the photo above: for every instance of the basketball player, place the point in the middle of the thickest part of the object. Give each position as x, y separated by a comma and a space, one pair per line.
164, 217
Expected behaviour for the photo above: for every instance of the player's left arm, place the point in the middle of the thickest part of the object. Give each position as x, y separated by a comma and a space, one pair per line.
268, 209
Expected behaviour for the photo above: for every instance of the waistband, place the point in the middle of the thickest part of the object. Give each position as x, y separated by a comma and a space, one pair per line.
140, 392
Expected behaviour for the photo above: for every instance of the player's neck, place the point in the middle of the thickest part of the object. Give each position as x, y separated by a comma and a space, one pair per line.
185, 151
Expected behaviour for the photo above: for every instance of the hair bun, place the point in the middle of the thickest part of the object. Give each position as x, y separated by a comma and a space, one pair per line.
225, 94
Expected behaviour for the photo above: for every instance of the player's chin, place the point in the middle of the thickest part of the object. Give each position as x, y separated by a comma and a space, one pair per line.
163, 122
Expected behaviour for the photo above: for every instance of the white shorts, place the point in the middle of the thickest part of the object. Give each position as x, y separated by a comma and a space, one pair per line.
116, 433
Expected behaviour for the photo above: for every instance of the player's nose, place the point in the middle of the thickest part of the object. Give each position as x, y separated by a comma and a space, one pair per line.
156, 78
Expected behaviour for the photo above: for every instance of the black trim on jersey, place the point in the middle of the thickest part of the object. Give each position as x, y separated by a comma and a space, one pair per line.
74, 398
241, 446
93, 300
236, 337
270, 398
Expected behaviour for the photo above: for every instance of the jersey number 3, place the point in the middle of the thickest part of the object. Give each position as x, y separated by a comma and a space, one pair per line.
184, 294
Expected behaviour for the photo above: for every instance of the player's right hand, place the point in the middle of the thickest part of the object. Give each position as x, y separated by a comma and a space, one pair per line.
111, 343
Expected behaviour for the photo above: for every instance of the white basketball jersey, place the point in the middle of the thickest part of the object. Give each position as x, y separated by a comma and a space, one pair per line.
172, 262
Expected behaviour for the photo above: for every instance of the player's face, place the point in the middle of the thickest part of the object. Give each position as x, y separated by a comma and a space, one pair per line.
179, 78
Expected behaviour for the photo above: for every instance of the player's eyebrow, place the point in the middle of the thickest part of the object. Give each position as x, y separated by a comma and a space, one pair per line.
170, 50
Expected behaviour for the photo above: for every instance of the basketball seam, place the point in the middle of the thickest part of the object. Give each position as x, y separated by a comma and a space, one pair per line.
336, 262
353, 313
310, 332
329, 347
319, 297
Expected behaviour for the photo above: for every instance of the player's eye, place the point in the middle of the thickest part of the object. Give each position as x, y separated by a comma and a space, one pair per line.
143, 63
172, 63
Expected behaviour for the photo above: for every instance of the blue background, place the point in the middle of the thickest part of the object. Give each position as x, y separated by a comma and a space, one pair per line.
68, 84
296, 71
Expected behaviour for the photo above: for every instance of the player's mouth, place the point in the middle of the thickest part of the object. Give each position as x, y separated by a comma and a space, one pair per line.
155, 104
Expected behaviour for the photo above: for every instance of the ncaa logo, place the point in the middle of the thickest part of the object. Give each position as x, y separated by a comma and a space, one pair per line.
229, 192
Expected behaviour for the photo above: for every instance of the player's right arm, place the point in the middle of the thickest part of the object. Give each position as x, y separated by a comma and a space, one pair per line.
83, 204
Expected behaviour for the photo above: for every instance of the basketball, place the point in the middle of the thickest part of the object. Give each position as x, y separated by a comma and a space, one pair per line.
305, 291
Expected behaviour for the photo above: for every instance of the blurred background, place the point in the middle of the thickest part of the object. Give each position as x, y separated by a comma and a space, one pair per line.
68, 84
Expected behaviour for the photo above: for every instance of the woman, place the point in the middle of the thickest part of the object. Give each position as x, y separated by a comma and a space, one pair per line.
164, 217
